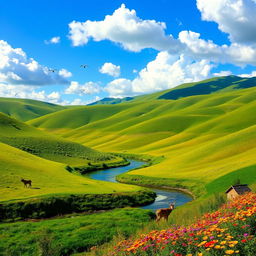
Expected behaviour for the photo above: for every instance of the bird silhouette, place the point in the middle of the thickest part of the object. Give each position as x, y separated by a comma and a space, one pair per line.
84, 66
52, 70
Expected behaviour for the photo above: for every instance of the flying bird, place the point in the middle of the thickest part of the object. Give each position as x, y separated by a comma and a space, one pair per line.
84, 66
52, 70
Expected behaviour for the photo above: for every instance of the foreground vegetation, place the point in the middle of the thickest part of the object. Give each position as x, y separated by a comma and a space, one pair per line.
228, 231
49, 206
74, 233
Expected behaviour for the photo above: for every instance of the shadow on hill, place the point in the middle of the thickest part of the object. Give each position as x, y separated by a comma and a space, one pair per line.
203, 88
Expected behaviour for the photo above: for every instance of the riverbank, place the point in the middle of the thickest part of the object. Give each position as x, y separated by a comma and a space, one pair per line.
45, 207
95, 167
156, 183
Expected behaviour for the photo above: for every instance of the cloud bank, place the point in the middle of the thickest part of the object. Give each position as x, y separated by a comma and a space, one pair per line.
17, 69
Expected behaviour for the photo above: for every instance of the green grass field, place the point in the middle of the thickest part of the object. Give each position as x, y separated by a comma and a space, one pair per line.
25, 109
76, 233
203, 143
29, 153
34, 141
48, 177
201, 137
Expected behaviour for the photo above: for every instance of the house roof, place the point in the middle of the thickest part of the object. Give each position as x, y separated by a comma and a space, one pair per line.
240, 189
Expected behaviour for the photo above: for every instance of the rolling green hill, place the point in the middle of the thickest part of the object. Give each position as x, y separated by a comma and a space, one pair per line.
34, 141
106, 101
25, 109
208, 86
48, 177
202, 137
29, 153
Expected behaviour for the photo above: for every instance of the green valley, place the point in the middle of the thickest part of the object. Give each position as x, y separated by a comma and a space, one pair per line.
202, 138
199, 142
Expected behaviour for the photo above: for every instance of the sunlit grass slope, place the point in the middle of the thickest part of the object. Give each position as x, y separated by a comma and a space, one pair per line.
34, 141
25, 109
47, 177
202, 137
208, 86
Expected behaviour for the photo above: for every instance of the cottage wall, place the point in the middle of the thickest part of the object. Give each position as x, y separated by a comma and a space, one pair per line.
232, 194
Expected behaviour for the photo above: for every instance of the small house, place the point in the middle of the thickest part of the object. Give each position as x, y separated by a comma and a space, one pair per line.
237, 190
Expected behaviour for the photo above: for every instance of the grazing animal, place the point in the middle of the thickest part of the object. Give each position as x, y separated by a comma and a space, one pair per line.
27, 183
164, 212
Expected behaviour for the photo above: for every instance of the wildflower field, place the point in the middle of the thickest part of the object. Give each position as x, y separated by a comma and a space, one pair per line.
228, 231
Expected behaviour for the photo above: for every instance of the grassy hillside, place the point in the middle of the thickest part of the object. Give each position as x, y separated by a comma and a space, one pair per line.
25, 109
108, 101
216, 84
47, 177
202, 138
208, 86
34, 141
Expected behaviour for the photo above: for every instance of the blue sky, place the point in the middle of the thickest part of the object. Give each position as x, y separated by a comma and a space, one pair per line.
139, 54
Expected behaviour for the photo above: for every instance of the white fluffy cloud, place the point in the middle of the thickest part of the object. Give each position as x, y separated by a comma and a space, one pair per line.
53, 40
134, 34
238, 54
165, 72
79, 101
29, 92
125, 28
82, 89
235, 17
17, 69
110, 69
65, 73
252, 74
223, 73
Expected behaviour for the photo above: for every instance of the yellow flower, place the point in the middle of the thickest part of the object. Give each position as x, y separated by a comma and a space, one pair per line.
205, 237
223, 242
229, 252
190, 254
217, 246
202, 243
208, 249
199, 254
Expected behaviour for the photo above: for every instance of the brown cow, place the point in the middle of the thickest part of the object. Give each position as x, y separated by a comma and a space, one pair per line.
26, 182
164, 212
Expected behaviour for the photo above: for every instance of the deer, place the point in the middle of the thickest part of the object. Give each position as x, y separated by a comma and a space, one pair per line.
27, 183
164, 212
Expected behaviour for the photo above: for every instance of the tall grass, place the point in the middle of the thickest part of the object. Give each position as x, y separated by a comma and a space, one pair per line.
72, 234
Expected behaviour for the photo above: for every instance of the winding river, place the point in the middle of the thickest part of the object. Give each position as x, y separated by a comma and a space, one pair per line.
164, 197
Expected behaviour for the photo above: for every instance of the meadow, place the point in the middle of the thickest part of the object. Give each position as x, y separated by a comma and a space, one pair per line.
71, 234
200, 138
201, 143
228, 231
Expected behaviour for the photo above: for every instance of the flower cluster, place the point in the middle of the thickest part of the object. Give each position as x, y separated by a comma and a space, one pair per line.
228, 231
